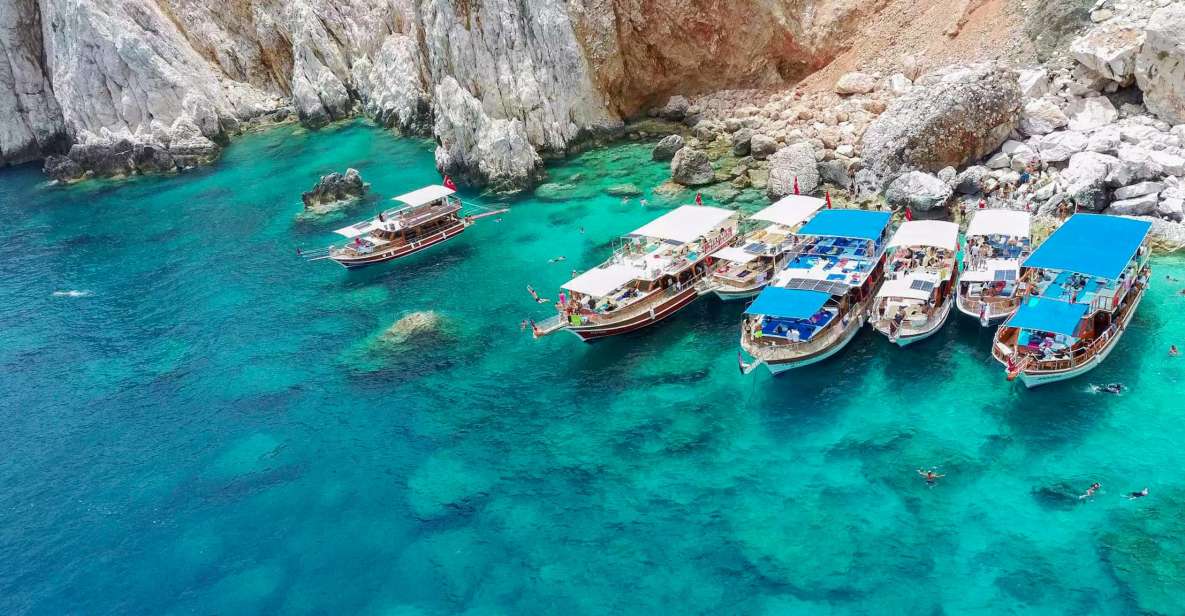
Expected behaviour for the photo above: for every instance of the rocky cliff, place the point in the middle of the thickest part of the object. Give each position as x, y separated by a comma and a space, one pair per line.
128, 86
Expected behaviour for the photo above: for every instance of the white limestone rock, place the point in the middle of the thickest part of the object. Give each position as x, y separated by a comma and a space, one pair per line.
1136, 206
1138, 190
793, 161
478, 149
691, 167
1105, 140
899, 84
1091, 113
1060, 146
1085, 179
1160, 65
1109, 50
31, 124
1034, 82
999, 160
1041, 116
855, 83
921, 191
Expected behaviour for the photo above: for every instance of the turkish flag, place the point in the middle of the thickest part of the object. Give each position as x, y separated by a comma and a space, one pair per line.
699, 200
828, 195
448, 183
796, 184
908, 213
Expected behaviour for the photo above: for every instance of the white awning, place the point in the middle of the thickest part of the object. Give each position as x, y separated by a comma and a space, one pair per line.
1011, 223
936, 233
427, 194
359, 228
734, 254
601, 281
685, 223
913, 286
790, 210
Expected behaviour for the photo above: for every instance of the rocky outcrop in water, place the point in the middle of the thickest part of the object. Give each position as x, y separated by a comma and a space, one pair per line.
335, 187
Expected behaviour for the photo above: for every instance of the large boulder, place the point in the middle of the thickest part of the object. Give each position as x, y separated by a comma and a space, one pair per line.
740, 141
335, 187
1085, 179
1034, 82
63, 169
1105, 139
961, 117
1136, 206
691, 167
789, 163
676, 108
1060, 146
1138, 190
1160, 65
762, 146
1041, 116
1109, 50
855, 83
970, 180
665, 149
1090, 113
921, 191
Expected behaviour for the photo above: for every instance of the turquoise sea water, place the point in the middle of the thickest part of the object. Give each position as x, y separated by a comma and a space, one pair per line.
210, 425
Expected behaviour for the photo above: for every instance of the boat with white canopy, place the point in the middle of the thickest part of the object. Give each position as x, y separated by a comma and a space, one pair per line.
653, 275
997, 242
819, 301
740, 270
427, 216
920, 274
1080, 291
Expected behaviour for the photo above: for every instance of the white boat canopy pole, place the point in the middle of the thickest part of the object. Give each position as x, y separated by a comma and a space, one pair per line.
1010, 223
935, 233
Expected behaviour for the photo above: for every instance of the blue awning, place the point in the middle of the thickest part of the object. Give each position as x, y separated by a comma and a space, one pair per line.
1091, 244
858, 224
789, 303
1048, 315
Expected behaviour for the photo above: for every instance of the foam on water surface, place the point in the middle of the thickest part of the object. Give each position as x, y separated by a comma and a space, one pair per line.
221, 428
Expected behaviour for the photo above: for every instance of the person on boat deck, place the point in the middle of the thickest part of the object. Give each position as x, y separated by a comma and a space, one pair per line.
793, 335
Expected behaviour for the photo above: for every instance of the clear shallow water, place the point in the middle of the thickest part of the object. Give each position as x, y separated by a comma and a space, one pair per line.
212, 425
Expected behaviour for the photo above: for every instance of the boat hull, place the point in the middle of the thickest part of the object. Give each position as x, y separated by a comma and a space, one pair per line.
904, 341
670, 306
1036, 379
731, 295
352, 263
994, 319
776, 367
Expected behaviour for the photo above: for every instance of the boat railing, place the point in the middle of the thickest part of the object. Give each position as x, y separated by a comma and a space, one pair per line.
769, 348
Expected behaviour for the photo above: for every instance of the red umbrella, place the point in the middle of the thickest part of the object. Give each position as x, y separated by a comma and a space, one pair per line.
796, 184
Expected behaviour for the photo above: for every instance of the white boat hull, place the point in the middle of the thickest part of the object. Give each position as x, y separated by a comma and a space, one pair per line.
904, 341
991, 321
781, 367
730, 296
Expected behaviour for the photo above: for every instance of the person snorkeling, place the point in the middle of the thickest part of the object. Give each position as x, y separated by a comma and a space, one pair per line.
1094, 487
930, 476
1140, 494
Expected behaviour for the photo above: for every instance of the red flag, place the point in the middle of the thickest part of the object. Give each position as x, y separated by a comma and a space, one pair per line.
908, 213
796, 184
828, 196
448, 183
699, 200
982, 204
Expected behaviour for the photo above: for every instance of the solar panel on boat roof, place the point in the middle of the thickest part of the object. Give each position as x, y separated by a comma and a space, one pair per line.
1004, 275
830, 287
922, 285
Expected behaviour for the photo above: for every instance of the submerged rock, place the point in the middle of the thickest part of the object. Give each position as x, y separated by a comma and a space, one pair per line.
623, 190
335, 188
413, 325
1145, 549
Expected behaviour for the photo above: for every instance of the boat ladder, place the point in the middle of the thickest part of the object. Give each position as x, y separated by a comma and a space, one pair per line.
315, 254
548, 326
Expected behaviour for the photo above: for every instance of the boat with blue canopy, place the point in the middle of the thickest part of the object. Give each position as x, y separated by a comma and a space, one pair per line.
920, 275
817, 303
741, 269
997, 242
1079, 291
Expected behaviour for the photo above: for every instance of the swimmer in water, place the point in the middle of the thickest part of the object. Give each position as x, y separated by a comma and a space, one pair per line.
1171, 278
1090, 491
930, 476
582, 229
1140, 494
1110, 388
644, 202
557, 259
1173, 352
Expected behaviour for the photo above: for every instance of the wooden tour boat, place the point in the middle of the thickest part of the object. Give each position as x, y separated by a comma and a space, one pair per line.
740, 270
916, 296
429, 216
997, 242
1079, 291
658, 270
817, 304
